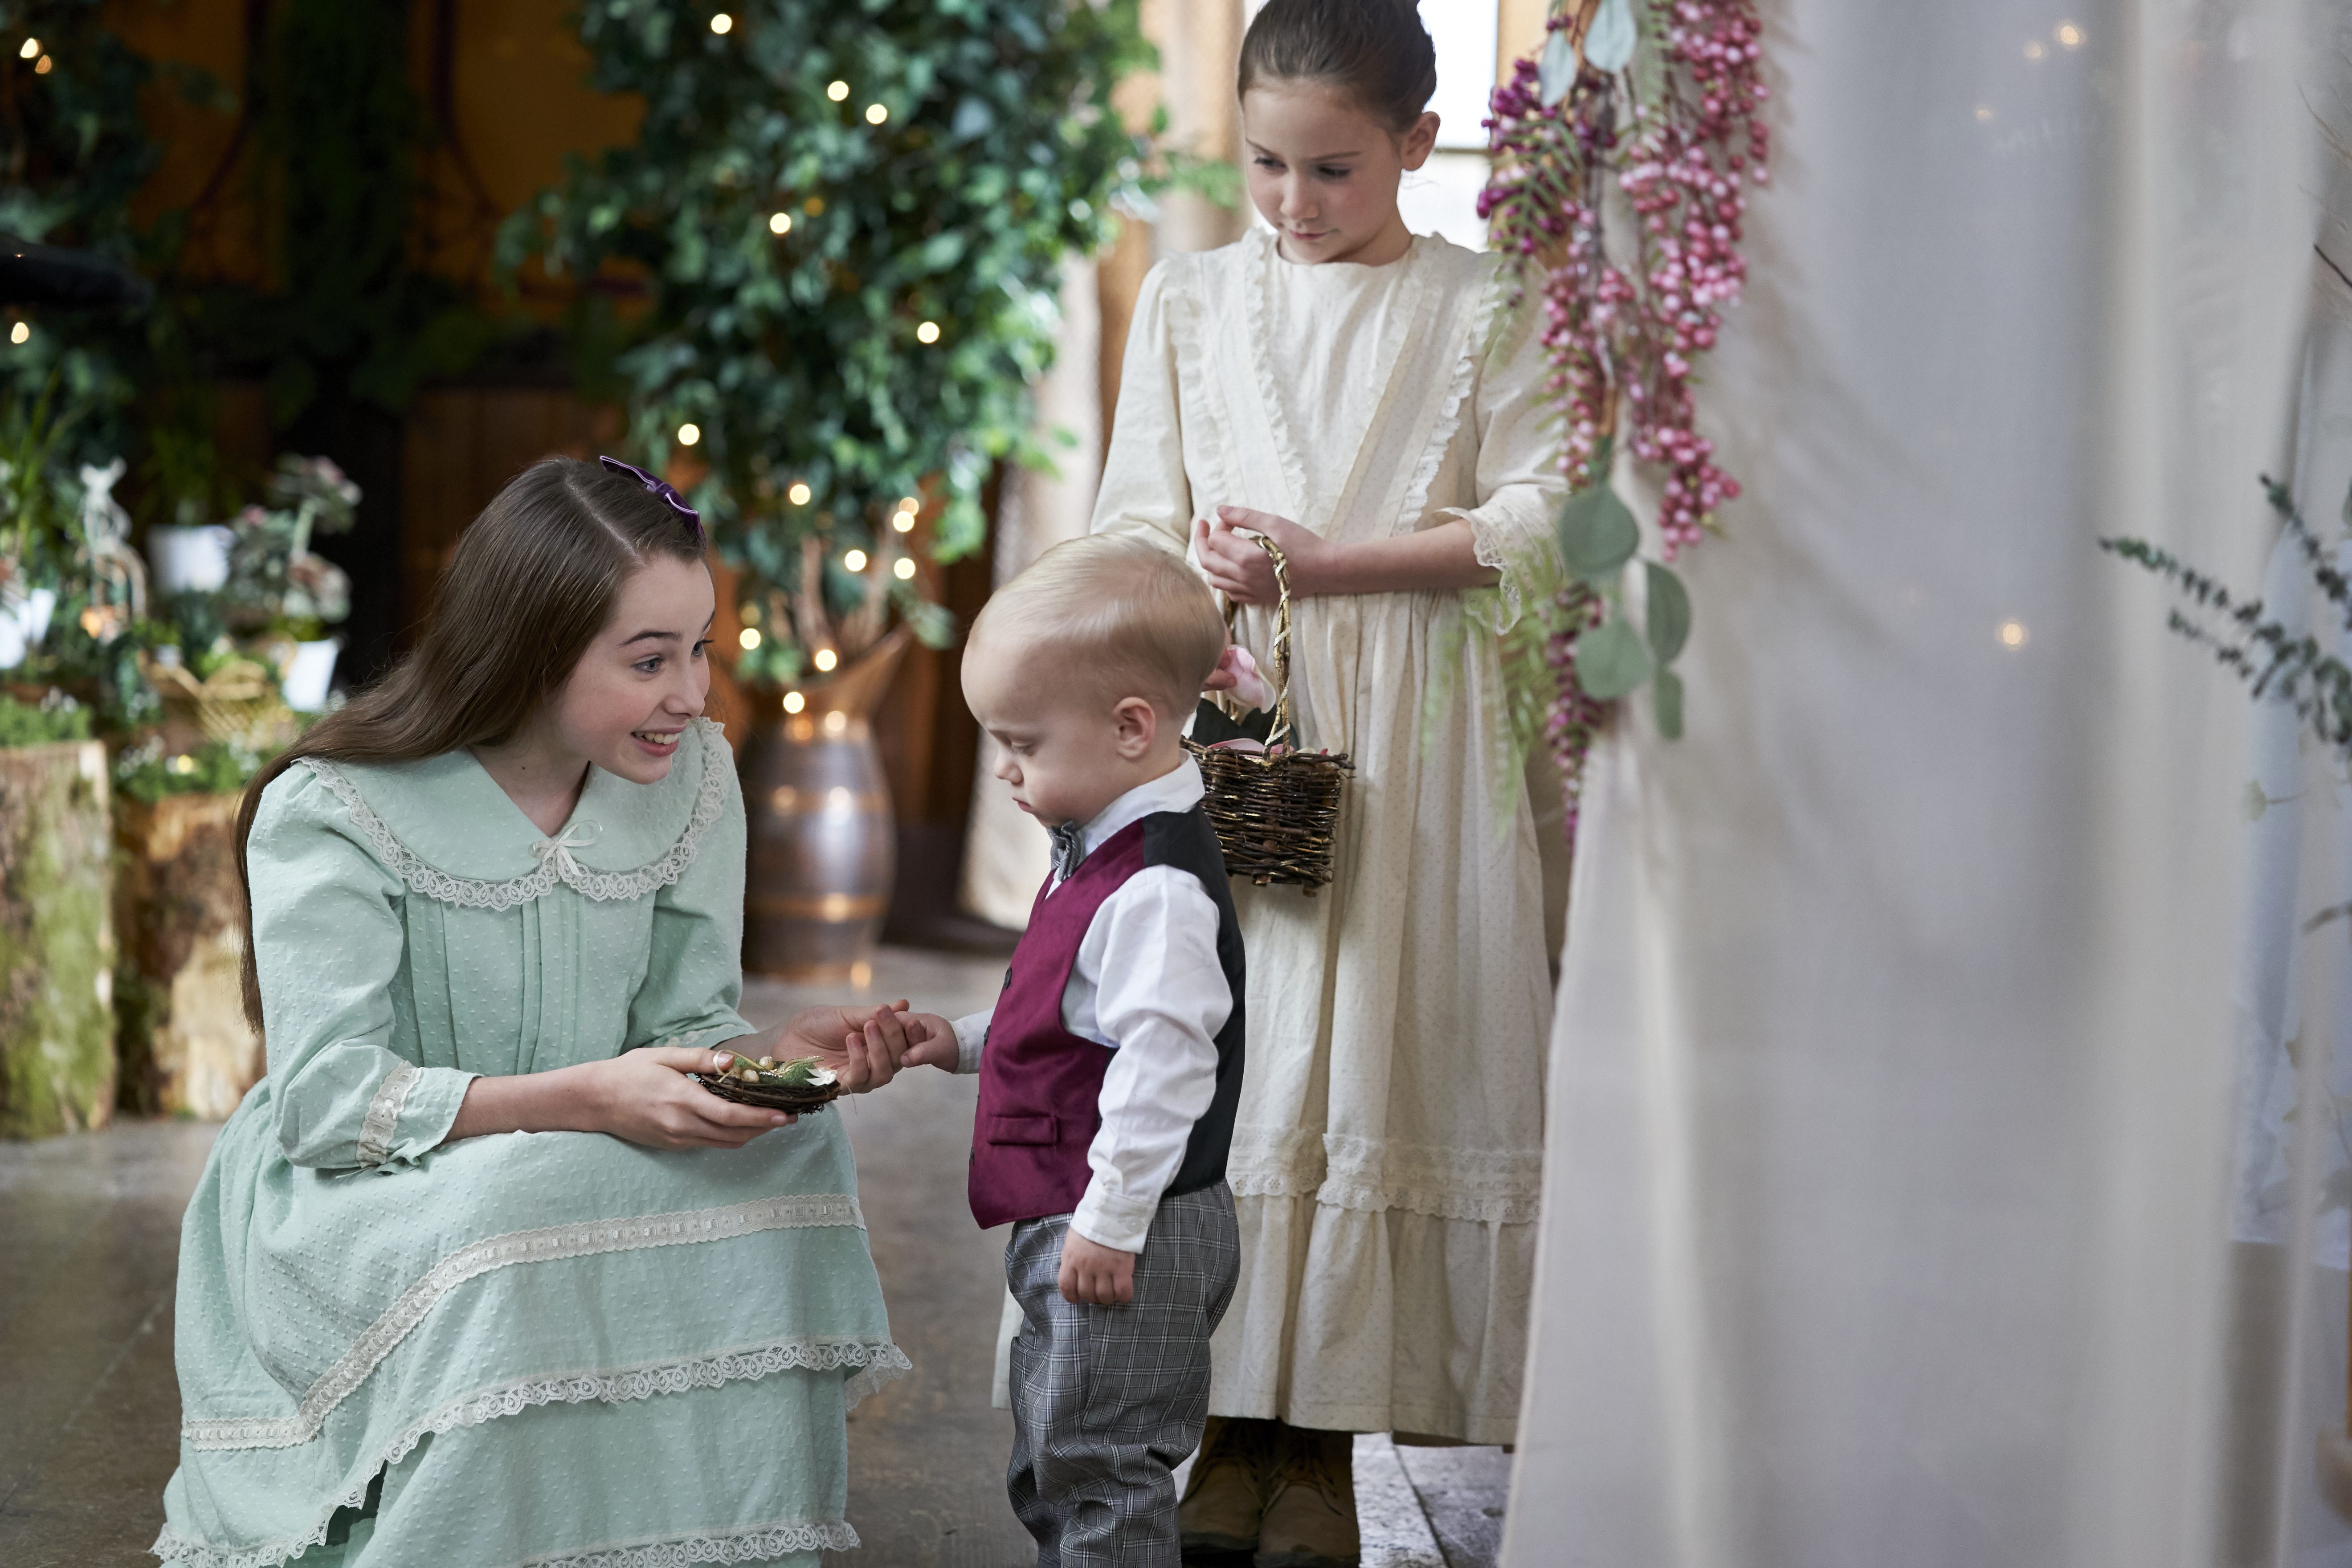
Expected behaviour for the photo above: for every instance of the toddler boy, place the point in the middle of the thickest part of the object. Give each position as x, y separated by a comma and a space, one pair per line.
1111, 1064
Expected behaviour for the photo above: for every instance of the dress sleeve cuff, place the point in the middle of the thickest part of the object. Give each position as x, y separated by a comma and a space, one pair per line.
971, 1037
411, 1114
1112, 1220
1512, 535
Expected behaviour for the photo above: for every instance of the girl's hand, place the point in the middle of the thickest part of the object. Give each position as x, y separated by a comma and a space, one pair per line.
1242, 572
864, 1045
934, 1043
645, 1096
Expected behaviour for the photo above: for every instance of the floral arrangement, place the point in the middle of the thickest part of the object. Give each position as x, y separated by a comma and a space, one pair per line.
1660, 98
275, 583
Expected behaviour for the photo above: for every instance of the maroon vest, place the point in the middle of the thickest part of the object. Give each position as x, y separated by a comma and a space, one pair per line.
1040, 1085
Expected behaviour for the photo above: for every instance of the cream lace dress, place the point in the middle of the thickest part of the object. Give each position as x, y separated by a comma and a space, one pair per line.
545, 1348
1385, 1165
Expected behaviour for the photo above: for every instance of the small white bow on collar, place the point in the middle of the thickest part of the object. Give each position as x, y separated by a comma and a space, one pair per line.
558, 850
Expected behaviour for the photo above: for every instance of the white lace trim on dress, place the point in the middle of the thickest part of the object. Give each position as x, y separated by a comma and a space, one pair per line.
383, 1113
557, 868
1372, 1176
1257, 284
339, 1381
1491, 541
880, 1360
757, 1545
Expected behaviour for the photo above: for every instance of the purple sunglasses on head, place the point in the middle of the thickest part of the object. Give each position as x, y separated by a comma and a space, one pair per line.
660, 488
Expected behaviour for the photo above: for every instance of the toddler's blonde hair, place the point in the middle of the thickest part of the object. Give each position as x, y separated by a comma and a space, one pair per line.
1113, 615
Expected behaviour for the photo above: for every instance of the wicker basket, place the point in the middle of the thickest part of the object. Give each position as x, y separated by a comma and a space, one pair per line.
1274, 813
239, 704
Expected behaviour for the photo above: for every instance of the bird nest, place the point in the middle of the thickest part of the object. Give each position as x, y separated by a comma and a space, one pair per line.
798, 1087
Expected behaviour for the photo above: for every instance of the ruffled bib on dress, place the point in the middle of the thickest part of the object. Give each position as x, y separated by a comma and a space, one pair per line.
448, 832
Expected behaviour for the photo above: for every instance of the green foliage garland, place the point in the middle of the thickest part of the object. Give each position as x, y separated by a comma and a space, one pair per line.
853, 214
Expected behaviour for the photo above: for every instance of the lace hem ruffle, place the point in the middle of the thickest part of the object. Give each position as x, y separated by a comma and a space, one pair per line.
755, 1546
557, 867
1381, 1200
397, 1322
1372, 1176
878, 1360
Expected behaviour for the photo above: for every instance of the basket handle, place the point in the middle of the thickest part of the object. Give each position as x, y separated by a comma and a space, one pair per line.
1281, 728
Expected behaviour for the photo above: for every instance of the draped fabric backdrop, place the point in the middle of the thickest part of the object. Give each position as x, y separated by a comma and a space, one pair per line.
1898, 1098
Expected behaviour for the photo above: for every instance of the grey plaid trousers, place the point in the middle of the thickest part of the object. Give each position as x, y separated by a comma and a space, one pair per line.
1106, 1400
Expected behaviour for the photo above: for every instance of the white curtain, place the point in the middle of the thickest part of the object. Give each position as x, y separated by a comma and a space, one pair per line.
1898, 1099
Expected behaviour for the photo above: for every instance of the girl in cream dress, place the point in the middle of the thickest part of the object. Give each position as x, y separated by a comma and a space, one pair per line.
1369, 400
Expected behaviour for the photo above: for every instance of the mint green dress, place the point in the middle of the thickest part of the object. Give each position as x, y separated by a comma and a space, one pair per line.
533, 1348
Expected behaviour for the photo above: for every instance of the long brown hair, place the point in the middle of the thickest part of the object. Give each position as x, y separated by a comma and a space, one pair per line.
1375, 51
532, 583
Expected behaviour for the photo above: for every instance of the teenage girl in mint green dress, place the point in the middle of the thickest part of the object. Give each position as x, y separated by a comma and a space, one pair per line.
478, 1277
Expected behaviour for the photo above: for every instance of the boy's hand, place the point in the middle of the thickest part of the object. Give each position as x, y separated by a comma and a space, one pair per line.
1096, 1275
932, 1043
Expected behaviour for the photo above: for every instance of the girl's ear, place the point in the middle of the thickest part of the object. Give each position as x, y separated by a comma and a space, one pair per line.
1419, 140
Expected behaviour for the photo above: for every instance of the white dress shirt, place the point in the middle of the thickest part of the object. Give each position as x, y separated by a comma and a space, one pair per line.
1147, 983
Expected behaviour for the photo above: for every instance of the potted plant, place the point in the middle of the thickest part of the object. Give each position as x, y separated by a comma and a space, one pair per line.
851, 221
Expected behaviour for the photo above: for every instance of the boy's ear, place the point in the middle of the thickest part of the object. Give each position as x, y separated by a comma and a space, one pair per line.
1138, 726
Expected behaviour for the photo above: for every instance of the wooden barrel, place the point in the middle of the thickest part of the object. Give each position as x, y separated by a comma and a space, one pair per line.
823, 846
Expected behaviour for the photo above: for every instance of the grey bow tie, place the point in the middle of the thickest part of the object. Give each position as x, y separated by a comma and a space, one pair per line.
1069, 849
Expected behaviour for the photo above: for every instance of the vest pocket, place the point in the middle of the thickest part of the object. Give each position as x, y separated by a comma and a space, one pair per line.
1033, 1130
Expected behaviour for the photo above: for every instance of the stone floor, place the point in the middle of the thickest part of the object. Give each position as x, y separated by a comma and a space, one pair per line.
88, 1407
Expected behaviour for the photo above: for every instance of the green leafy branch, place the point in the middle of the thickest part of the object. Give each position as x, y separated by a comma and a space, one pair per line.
2276, 663
1598, 541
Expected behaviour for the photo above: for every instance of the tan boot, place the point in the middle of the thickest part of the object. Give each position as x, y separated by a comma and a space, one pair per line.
1310, 1507
1227, 1493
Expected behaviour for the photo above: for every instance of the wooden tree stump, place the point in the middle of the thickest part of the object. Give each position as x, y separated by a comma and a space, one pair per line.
186, 1046
57, 941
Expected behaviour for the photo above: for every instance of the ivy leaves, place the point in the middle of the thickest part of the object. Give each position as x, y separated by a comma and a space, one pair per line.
1598, 539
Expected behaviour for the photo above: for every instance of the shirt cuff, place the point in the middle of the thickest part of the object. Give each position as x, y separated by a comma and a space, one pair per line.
411, 1114
971, 1037
1113, 1220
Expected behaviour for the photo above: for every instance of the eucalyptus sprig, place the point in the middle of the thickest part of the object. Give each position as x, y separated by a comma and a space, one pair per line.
1598, 540
2278, 663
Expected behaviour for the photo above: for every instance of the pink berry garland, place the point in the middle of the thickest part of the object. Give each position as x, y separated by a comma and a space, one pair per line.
1623, 341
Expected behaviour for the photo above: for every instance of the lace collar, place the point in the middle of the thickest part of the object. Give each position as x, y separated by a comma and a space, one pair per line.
445, 827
